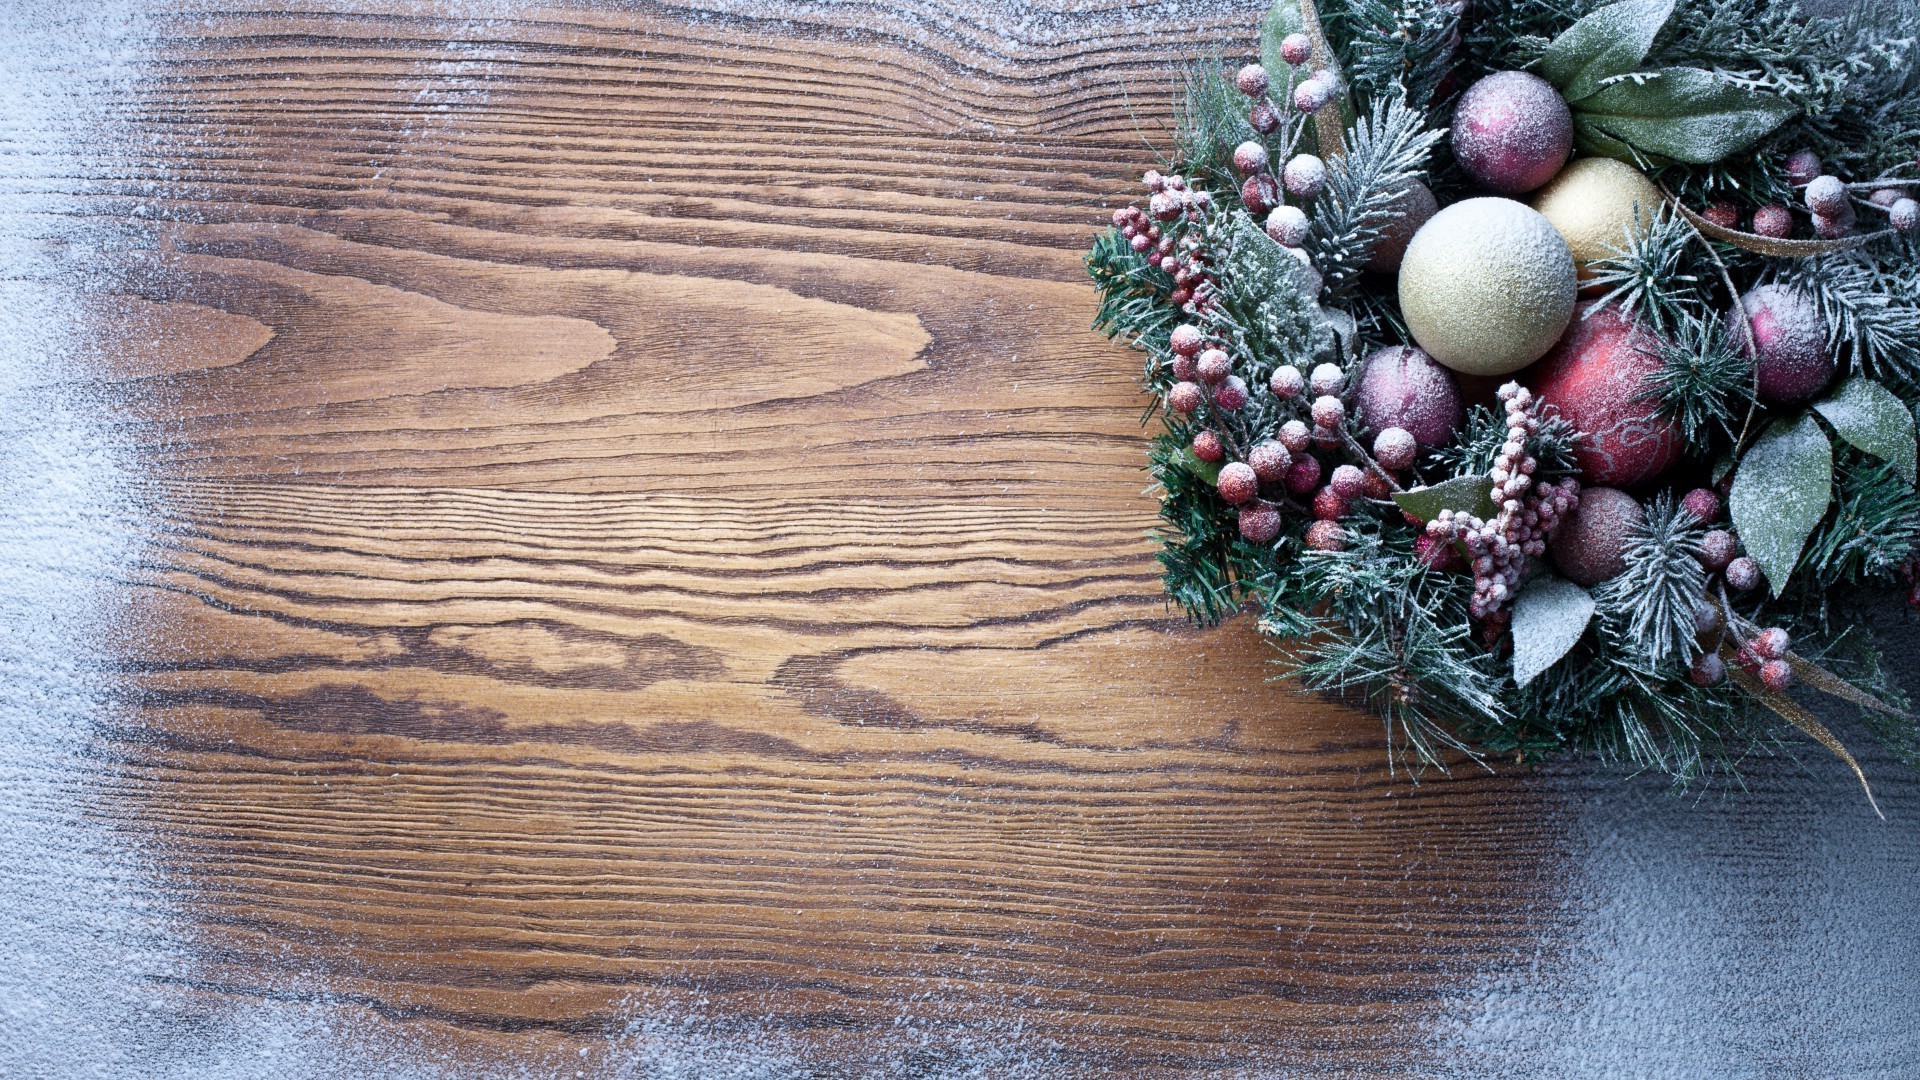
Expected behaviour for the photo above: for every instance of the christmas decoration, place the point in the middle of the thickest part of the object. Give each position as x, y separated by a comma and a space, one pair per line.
1596, 380
1632, 546
1487, 286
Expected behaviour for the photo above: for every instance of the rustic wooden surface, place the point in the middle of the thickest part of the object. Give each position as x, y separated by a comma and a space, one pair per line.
641, 526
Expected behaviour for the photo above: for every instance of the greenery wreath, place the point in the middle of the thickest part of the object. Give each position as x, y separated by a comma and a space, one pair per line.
1539, 370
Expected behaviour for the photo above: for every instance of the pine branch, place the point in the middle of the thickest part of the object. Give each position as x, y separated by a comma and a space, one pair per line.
1655, 276
1705, 382
1649, 608
1387, 152
1398, 50
1873, 531
1133, 293
1872, 310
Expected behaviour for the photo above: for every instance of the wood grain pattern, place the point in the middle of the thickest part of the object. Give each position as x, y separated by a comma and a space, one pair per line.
640, 524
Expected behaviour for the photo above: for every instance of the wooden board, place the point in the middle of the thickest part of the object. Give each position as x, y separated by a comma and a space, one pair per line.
639, 526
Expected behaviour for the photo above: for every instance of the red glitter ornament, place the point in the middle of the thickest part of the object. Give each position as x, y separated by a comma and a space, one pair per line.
1595, 378
1793, 360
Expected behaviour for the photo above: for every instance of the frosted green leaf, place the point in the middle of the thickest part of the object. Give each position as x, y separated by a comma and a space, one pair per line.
1609, 42
1549, 616
1780, 492
1876, 422
1205, 470
1464, 495
1684, 113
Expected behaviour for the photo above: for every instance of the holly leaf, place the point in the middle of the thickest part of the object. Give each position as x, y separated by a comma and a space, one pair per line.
1462, 495
1609, 42
1549, 616
1876, 422
1685, 114
1780, 492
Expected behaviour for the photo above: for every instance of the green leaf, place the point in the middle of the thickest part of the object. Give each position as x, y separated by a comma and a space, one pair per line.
1596, 143
1780, 492
1870, 417
1609, 42
1549, 616
1684, 113
1462, 495
1205, 470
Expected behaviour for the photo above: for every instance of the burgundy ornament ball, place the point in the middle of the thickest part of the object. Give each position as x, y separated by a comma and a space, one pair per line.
1793, 360
1415, 205
1594, 378
1401, 386
1512, 132
1591, 545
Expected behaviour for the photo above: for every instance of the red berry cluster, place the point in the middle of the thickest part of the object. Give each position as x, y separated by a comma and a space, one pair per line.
1498, 550
1830, 202
1160, 232
1765, 652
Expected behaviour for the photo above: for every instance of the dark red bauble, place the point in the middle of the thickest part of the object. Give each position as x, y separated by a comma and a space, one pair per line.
1591, 545
1401, 386
1512, 131
1595, 379
1793, 360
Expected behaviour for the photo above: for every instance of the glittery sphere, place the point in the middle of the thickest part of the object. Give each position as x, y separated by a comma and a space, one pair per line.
1213, 366
1270, 461
1296, 49
1592, 545
1827, 195
1328, 412
1287, 382
1774, 222
1395, 448
1348, 481
1260, 521
1904, 215
1295, 436
1595, 378
1252, 80
1793, 361
1329, 505
1776, 675
1717, 549
1250, 157
1702, 503
1237, 482
1599, 205
1208, 447
1304, 176
1326, 536
1304, 474
1186, 339
1185, 397
1231, 393
1743, 574
1327, 379
1415, 206
1802, 166
1288, 226
1312, 95
1487, 286
1402, 387
1724, 214
1512, 132
1708, 670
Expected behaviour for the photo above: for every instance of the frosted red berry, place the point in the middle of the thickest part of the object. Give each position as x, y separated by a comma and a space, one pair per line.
1237, 484
1288, 226
1251, 80
1827, 195
1185, 397
1772, 643
1263, 117
1702, 503
1743, 574
1349, 481
1707, 618
1776, 675
1305, 176
1395, 448
1802, 167
1329, 505
1775, 222
1327, 379
1312, 95
1208, 447
1260, 521
1231, 394
1304, 474
1295, 436
1186, 339
1328, 412
1326, 536
1287, 382
1296, 49
1270, 461
1260, 193
1214, 366
1717, 549
1708, 670
1724, 214
1250, 157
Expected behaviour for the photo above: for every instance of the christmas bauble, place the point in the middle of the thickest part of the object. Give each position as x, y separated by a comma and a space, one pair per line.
1402, 387
1591, 545
1793, 362
1595, 378
1598, 204
1487, 286
1512, 131
1416, 206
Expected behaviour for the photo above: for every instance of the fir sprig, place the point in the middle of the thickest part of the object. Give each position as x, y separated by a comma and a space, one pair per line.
1704, 383
1655, 276
1873, 530
1871, 307
1386, 152
1402, 50
1650, 606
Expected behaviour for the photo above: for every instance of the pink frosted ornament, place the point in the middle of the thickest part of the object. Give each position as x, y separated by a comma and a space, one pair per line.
1512, 132
1793, 361
1401, 386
